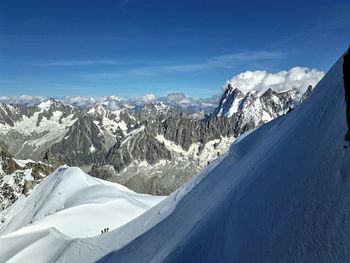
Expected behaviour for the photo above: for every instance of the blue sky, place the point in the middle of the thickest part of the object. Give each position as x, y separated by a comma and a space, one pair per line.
137, 47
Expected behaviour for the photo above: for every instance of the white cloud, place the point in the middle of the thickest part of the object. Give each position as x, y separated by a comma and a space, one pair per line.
251, 56
296, 78
148, 98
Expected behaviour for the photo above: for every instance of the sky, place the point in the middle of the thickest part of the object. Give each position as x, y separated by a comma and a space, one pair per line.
137, 47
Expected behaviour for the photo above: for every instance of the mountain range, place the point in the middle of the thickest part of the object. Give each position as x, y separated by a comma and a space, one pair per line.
151, 148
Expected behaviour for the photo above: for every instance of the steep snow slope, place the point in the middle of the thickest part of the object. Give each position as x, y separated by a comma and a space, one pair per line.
75, 204
281, 194
50, 245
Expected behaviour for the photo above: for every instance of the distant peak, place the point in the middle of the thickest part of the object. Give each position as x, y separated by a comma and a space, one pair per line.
45, 105
269, 92
232, 86
51, 102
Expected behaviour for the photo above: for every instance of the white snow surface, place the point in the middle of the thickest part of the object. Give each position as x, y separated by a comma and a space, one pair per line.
208, 153
45, 105
75, 204
23, 163
281, 194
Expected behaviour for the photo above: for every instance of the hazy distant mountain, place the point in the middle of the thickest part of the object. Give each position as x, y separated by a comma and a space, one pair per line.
177, 100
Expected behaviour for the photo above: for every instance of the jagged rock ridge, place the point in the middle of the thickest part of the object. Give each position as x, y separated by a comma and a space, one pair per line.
18, 177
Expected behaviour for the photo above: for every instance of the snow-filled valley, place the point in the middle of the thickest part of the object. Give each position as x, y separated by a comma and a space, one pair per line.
280, 194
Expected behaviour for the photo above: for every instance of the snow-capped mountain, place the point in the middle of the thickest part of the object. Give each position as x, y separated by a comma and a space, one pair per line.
280, 194
170, 146
152, 148
18, 177
266, 106
30, 131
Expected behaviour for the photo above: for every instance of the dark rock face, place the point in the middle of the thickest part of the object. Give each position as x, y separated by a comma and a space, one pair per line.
231, 94
142, 146
82, 145
7, 114
307, 93
20, 179
8, 165
346, 77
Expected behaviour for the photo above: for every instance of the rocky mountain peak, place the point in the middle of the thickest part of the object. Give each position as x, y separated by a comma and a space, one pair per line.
267, 103
50, 104
229, 101
98, 109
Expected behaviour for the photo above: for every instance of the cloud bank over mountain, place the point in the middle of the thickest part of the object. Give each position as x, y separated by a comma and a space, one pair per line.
295, 78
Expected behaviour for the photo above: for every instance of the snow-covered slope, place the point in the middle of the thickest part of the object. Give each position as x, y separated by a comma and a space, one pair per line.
75, 204
45, 243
